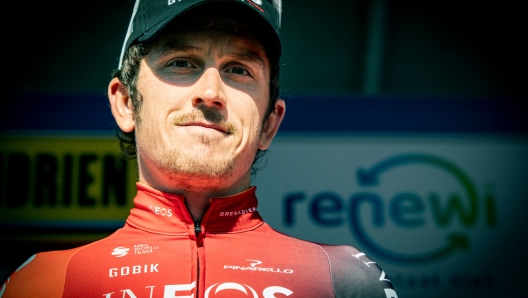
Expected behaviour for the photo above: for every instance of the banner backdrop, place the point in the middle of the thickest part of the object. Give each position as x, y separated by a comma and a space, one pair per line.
444, 216
431, 189
52, 184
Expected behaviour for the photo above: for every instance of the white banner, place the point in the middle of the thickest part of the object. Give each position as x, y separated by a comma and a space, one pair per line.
444, 216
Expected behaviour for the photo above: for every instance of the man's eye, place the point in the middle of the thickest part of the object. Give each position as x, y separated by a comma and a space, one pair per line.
238, 70
181, 63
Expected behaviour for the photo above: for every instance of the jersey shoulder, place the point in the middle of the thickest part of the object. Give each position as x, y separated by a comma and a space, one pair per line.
352, 273
355, 275
42, 275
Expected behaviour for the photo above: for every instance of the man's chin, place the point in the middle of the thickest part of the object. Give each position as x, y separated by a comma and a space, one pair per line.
200, 138
199, 166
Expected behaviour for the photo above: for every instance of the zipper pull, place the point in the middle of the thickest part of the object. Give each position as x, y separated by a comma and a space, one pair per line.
197, 228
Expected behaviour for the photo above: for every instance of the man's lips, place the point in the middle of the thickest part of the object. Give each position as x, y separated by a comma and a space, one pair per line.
214, 126
206, 118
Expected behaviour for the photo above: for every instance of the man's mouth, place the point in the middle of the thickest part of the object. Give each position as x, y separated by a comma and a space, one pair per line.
200, 119
218, 127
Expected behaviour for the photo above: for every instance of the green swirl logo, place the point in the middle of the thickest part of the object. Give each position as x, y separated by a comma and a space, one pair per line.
466, 206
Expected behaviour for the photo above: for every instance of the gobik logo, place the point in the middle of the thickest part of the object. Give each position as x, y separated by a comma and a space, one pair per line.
409, 208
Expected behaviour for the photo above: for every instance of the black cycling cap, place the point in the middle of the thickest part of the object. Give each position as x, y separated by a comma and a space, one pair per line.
149, 17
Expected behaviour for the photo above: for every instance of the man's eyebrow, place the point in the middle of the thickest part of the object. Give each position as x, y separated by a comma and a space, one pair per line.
178, 46
248, 56
175, 46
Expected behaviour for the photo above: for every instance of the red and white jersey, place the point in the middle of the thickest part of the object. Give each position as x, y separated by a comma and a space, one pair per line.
232, 252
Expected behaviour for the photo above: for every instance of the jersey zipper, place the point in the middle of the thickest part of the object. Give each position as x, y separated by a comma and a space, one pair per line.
199, 245
197, 228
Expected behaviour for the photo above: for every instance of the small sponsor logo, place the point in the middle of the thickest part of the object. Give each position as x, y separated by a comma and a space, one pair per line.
136, 269
160, 211
144, 249
258, 2
120, 251
239, 212
172, 1
359, 255
253, 267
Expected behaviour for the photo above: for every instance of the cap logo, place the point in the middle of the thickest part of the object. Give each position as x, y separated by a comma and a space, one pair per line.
172, 2
258, 2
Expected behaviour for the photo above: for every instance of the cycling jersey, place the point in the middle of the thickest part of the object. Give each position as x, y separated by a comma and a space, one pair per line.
231, 252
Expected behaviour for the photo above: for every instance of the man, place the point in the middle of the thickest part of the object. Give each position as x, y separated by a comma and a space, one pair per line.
196, 99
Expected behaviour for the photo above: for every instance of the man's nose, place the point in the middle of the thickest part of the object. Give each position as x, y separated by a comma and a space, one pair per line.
210, 89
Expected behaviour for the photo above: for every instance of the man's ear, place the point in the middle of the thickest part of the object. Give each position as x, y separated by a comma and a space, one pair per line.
272, 125
121, 105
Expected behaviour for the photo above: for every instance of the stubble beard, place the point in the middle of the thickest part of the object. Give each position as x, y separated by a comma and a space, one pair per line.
190, 168
195, 169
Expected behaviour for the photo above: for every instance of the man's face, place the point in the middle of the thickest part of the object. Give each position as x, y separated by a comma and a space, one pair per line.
204, 98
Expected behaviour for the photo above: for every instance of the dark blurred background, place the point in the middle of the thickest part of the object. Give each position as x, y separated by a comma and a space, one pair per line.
416, 48
346, 58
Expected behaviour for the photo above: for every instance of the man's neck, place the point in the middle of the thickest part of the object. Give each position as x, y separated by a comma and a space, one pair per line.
196, 189
197, 203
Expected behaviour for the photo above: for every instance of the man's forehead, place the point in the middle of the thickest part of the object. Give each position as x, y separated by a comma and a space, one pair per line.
202, 41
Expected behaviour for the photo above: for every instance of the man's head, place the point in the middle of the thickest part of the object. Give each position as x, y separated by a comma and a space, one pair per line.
199, 97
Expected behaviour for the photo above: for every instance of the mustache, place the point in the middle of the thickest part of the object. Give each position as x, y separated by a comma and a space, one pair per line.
209, 115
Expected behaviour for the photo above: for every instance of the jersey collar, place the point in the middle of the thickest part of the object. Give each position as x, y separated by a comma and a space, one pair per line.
165, 213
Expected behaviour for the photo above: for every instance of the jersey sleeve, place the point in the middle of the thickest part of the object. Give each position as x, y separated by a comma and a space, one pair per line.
354, 275
42, 275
